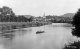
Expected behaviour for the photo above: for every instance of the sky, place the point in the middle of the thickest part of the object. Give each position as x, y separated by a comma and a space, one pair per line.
39, 7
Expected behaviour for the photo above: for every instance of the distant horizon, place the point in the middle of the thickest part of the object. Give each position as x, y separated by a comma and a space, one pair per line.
46, 15
39, 7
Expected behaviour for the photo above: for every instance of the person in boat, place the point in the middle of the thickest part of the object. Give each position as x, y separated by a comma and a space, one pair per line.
39, 32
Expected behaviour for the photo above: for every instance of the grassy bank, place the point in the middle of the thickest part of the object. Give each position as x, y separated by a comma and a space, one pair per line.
17, 25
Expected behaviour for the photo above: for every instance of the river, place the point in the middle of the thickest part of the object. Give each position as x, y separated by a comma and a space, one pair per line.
54, 37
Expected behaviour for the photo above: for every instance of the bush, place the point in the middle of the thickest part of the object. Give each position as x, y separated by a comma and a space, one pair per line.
75, 45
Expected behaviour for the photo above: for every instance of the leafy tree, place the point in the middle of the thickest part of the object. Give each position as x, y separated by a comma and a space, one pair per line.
21, 19
76, 23
7, 15
30, 19
6, 11
76, 19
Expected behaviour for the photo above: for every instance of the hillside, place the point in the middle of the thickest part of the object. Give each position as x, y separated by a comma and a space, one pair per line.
68, 15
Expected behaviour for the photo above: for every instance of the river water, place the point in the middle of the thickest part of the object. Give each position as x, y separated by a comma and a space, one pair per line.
55, 36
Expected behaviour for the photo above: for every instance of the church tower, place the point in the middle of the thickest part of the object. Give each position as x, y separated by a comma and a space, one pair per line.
44, 15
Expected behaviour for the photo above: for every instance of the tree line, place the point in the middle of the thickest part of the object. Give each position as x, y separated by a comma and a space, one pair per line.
59, 19
7, 15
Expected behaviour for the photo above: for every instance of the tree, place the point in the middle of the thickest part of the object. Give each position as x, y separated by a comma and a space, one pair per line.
30, 19
76, 23
6, 14
6, 11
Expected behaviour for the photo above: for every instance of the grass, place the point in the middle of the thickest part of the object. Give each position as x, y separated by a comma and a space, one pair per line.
17, 25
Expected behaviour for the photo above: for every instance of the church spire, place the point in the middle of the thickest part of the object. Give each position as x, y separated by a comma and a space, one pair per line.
44, 15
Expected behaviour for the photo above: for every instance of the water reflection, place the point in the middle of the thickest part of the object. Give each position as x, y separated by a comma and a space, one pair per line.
53, 38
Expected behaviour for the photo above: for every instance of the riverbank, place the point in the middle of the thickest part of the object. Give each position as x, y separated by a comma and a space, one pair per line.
18, 25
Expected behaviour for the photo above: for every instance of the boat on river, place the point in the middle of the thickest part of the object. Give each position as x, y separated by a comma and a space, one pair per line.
38, 32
